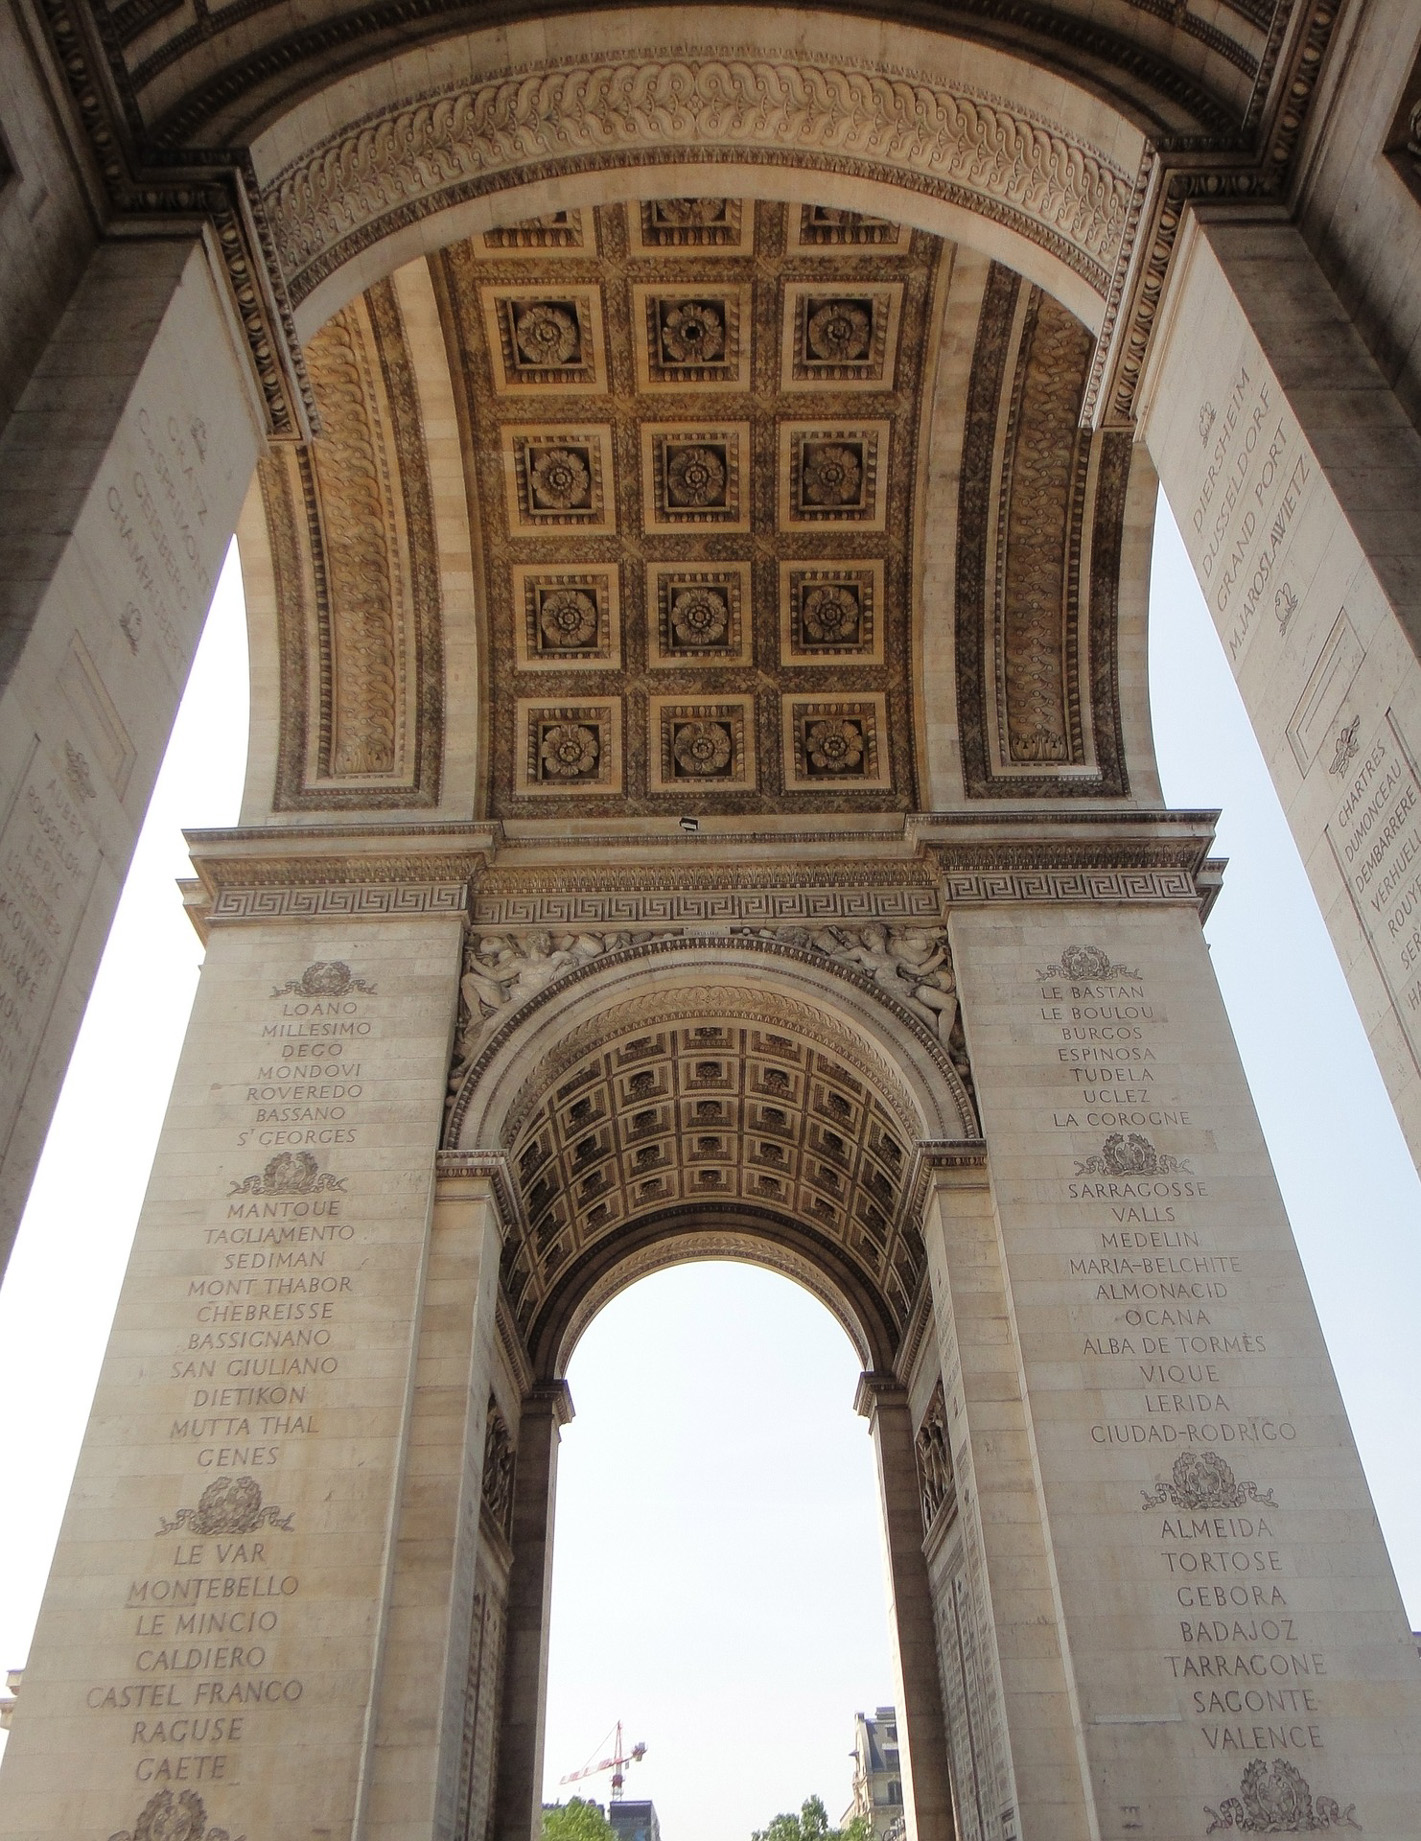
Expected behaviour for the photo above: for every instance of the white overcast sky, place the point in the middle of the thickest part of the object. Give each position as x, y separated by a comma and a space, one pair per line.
718, 1580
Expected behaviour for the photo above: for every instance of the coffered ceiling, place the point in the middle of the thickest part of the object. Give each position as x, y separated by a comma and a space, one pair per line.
700, 443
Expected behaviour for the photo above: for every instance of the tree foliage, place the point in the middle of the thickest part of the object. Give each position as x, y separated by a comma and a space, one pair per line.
812, 1824
576, 1820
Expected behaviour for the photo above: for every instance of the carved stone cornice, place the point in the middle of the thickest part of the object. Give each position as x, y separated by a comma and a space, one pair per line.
496, 1169
1152, 857
144, 188
1260, 169
319, 873
1116, 229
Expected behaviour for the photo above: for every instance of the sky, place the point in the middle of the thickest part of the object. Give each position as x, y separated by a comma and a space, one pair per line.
718, 1579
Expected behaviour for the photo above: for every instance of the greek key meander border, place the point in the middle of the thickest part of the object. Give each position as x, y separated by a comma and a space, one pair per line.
352, 901
636, 907
659, 907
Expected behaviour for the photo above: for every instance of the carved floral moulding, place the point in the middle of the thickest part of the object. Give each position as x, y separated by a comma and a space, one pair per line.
402, 162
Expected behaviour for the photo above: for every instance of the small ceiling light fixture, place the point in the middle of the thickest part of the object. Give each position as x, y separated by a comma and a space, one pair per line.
690, 824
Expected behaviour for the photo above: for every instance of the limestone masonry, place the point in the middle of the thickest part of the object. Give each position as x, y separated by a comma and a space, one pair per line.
695, 473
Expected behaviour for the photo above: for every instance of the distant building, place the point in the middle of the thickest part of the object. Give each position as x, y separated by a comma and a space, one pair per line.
634, 1821
878, 1775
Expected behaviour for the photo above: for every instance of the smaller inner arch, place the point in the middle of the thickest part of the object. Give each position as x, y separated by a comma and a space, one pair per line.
722, 1135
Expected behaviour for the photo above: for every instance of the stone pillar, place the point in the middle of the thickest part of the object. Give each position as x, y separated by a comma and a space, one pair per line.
1009, 1719
430, 1667
236, 1569
1295, 476
518, 1808
927, 1793
1195, 1614
122, 471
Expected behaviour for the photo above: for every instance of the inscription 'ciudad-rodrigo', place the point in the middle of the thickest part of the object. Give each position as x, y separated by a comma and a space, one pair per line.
1171, 1353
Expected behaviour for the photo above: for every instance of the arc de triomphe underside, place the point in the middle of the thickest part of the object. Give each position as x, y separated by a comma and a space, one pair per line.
695, 474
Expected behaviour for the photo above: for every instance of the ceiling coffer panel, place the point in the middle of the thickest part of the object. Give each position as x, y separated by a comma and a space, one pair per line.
692, 431
672, 1119
357, 577
1041, 512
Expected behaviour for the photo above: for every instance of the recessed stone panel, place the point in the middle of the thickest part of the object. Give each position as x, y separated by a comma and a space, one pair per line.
692, 336
838, 742
569, 747
724, 226
833, 475
695, 476
545, 340
831, 612
824, 230
698, 614
841, 337
567, 619
702, 747
559, 480
555, 233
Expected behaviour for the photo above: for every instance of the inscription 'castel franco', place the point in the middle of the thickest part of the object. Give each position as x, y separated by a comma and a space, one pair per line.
701, 806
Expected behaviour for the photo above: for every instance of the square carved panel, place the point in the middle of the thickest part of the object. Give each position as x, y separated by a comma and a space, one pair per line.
559, 480
566, 619
839, 742
691, 336
706, 225
833, 475
695, 477
569, 747
556, 233
831, 611
698, 613
545, 339
840, 338
702, 747
826, 230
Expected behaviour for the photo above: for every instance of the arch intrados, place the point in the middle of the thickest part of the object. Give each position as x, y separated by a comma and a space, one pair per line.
765, 1238
805, 184
700, 976
339, 120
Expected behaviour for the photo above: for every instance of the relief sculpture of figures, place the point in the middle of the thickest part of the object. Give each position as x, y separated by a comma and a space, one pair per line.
910, 964
689, 476
504, 971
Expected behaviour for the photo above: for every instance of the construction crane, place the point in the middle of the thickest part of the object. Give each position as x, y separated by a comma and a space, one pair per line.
614, 1764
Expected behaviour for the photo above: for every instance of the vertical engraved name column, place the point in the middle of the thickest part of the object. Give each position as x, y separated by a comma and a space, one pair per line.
1237, 1651
209, 1645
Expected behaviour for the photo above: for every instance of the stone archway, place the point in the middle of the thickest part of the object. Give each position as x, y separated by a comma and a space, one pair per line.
754, 1100
445, 848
